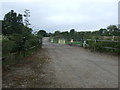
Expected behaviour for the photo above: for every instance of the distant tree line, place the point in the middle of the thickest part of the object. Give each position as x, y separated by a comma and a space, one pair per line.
111, 30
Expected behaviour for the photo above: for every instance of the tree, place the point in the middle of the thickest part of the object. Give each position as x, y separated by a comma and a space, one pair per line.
12, 23
113, 30
65, 34
72, 34
72, 31
1, 26
42, 33
26, 34
102, 31
27, 16
57, 33
50, 34
17, 37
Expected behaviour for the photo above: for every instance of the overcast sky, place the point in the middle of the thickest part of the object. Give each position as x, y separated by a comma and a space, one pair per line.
63, 15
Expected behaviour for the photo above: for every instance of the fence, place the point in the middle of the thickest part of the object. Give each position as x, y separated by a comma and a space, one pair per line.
104, 45
100, 45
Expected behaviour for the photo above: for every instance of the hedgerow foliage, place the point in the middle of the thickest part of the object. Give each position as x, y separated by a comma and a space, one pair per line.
17, 37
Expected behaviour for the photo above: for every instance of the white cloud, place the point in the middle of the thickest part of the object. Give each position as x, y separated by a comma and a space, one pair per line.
65, 14
60, 1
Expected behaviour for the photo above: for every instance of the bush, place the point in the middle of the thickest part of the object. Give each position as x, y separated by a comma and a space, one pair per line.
7, 46
105, 46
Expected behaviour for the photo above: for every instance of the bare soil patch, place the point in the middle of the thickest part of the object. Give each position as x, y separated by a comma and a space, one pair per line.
28, 73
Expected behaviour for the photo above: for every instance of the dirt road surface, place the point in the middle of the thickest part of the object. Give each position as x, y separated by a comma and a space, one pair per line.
75, 67
62, 66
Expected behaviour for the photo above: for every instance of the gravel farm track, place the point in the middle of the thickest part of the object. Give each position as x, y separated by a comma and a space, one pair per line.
63, 66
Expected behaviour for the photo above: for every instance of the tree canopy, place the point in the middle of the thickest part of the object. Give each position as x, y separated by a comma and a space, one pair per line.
12, 23
43, 33
17, 36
